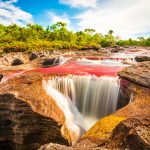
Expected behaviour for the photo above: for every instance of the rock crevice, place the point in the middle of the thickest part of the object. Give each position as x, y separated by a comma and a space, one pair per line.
22, 128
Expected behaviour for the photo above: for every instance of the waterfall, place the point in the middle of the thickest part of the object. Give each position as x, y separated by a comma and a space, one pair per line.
73, 118
95, 97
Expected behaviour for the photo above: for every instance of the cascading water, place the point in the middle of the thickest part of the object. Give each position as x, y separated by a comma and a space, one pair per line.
73, 118
94, 96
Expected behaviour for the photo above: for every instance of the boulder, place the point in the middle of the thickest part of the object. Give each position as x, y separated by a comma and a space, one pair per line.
138, 73
17, 62
142, 58
33, 56
50, 62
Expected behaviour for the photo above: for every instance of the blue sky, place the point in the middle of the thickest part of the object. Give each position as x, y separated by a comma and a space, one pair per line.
128, 18
41, 11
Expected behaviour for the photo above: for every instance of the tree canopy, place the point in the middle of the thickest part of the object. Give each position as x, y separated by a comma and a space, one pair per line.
57, 36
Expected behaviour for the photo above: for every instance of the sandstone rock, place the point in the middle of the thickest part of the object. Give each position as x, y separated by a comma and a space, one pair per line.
139, 74
22, 128
29, 117
133, 133
43, 53
23, 98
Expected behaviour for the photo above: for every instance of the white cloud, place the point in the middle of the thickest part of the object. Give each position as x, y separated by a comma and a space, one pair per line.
54, 18
11, 1
80, 3
125, 17
9, 14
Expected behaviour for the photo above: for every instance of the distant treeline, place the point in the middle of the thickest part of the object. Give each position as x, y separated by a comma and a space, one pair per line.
57, 36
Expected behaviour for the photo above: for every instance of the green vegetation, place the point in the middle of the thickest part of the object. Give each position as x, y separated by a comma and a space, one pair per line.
139, 42
35, 37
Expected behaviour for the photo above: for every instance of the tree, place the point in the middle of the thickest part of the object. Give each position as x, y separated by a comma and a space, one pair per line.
110, 32
35, 37
89, 31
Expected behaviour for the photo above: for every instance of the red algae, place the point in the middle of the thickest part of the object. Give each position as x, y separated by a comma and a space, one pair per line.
76, 68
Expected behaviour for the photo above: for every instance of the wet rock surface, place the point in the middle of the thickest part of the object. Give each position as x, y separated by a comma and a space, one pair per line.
139, 74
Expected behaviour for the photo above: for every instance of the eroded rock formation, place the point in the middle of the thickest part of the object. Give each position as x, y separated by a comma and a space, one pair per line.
29, 117
22, 128
139, 74
132, 133
127, 128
